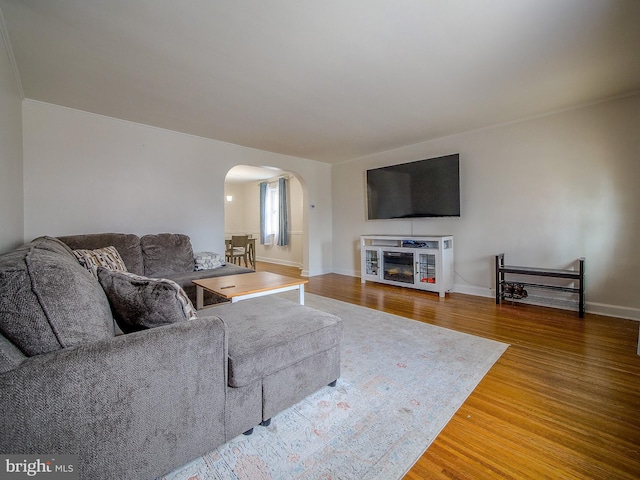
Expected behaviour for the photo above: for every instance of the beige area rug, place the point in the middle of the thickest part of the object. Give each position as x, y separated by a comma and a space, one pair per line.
401, 382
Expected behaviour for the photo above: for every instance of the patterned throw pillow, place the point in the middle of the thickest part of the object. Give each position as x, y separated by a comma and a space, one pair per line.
107, 257
208, 260
138, 302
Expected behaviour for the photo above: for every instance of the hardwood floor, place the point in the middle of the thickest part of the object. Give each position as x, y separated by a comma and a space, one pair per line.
563, 402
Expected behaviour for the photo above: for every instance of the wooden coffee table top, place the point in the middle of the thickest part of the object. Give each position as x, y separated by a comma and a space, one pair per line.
247, 283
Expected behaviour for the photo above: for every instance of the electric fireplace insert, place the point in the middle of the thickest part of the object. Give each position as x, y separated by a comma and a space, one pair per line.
398, 266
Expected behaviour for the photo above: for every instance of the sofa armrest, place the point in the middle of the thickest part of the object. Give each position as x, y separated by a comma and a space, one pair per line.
133, 406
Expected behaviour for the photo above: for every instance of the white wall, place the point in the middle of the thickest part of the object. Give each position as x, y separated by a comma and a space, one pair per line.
235, 211
545, 191
11, 198
88, 173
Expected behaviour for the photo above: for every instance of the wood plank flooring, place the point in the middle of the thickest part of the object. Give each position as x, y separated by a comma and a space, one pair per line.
563, 402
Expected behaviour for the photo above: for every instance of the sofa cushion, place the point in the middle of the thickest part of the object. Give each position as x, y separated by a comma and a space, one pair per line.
101, 257
48, 301
268, 334
184, 279
166, 253
51, 244
127, 244
140, 302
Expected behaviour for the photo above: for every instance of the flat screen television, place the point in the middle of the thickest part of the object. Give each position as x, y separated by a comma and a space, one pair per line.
425, 188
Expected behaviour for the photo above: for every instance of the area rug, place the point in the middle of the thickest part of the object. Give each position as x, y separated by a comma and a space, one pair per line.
401, 382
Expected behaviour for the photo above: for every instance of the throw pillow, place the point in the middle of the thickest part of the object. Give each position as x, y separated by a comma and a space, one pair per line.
208, 260
138, 302
107, 257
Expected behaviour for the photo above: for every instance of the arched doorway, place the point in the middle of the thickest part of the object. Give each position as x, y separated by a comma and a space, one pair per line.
242, 212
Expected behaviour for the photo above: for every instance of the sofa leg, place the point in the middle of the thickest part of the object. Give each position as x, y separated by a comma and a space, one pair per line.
334, 383
266, 423
248, 432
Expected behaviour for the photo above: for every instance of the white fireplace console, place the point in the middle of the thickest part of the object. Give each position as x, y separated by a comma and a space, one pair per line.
422, 262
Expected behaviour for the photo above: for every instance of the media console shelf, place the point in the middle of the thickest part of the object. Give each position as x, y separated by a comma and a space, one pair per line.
576, 275
422, 262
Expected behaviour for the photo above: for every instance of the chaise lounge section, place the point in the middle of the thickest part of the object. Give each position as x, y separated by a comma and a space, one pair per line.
141, 404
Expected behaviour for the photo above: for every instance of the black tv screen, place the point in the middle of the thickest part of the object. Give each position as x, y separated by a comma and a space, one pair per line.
425, 188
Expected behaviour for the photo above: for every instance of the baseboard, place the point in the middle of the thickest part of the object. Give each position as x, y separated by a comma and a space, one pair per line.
603, 309
594, 308
348, 273
279, 262
613, 311
473, 290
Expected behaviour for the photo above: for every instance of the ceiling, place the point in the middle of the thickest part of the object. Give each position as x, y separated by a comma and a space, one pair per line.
248, 173
327, 80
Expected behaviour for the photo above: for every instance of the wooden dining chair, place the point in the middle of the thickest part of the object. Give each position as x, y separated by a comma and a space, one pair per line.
238, 249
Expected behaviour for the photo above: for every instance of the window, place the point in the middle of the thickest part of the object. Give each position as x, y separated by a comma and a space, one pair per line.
274, 217
271, 213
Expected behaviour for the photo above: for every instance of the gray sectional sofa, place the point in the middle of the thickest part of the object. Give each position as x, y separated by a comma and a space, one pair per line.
166, 255
141, 404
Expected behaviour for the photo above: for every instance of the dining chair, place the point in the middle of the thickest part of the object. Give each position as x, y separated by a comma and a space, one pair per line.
238, 249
